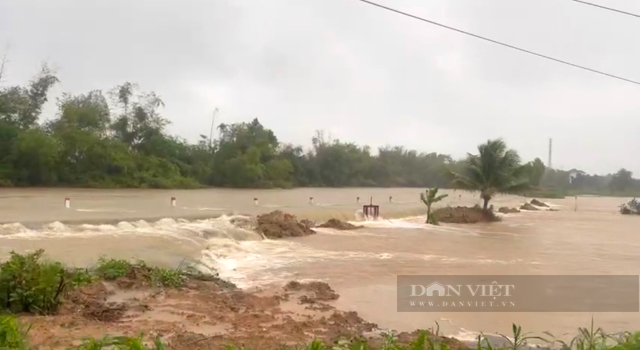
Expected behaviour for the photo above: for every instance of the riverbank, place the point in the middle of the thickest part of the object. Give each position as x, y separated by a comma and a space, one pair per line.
117, 302
181, 308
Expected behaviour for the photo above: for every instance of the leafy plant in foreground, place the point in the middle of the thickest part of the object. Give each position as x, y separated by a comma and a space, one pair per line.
13, 335
520, 339
29, 285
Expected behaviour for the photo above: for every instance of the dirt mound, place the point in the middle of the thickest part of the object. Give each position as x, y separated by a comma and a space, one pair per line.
308, 223
320, 290
528, 206
202, 315
278, 224
339, 225
464, 215
507, 210
537, 203
205, 315
91, 302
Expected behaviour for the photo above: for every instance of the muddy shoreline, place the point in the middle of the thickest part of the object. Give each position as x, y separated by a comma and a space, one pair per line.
214, 314
206, 315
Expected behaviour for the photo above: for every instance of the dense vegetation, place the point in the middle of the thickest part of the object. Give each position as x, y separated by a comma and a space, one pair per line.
118, 138
29, 283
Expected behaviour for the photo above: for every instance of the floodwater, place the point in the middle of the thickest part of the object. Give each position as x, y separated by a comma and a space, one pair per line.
362, 265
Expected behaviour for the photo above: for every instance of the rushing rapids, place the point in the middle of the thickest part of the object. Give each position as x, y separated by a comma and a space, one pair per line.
213, 228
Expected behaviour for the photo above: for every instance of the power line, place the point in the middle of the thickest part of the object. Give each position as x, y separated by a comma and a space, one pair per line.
607, 8
498, 42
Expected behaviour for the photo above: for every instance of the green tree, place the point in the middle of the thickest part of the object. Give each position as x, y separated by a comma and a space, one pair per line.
21, 106
495, 169
34, 156
429, 197
122, 141
246, 155
534, 171
89, 112
621, 180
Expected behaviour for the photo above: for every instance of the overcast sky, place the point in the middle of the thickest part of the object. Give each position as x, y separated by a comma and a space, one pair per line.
361, 73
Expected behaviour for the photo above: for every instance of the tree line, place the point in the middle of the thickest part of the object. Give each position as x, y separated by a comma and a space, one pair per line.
118, 138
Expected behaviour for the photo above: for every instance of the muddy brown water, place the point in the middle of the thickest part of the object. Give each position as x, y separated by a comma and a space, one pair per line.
361, 265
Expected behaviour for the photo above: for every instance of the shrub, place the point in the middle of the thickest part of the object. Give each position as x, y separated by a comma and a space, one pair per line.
81, 277
110, 269
29, 285
162, 277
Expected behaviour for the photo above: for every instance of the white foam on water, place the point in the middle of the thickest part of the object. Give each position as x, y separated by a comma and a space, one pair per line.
104, 210
204, 209
465, 335
405, 202
254, 263
197, 231
327, 204
357, 232
481, 261
411, 222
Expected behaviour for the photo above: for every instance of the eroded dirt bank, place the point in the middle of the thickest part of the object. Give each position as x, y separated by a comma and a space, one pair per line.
203, 315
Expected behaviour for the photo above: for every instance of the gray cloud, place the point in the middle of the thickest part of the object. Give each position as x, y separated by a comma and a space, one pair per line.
362, 74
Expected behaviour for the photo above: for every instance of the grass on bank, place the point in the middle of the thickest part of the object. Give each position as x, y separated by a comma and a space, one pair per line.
31, 284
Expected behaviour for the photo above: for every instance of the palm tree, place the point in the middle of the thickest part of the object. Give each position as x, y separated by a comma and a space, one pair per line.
429, 197
495, 169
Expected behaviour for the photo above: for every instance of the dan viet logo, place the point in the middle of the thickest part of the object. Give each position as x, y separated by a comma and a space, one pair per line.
518, 293
470, 295
484, 290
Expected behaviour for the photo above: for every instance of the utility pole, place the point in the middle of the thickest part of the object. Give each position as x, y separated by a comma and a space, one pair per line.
2, 64
213, 122
550, 150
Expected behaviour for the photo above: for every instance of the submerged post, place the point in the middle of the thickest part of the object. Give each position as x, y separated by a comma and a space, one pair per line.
173, 201
371, 211
67, 202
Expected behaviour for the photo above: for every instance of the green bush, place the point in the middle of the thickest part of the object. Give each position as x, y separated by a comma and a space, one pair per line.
162, 277
81, 277
110, 269
30, 285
